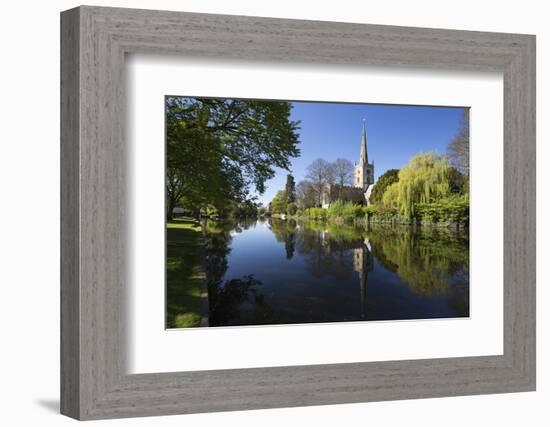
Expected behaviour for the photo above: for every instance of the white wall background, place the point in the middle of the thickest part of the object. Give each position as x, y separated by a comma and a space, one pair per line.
29, 214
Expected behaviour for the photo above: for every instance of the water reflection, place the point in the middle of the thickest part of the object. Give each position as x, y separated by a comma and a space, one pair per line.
287, 272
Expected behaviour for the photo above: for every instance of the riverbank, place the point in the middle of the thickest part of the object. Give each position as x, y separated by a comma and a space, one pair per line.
367, 221
452, 212
186, 296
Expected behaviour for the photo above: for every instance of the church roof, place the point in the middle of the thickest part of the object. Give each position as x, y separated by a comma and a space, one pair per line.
364, 153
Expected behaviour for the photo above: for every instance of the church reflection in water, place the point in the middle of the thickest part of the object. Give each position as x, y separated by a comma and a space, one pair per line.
338, 256
363, 264
281, 272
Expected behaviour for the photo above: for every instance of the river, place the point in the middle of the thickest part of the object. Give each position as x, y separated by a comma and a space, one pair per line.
285, 272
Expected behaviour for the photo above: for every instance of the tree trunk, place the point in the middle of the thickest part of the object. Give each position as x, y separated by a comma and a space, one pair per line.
170, 209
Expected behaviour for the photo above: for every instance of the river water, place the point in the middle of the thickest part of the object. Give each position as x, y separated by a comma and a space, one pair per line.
284, 272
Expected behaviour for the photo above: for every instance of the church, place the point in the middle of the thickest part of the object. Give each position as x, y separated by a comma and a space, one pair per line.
363, 180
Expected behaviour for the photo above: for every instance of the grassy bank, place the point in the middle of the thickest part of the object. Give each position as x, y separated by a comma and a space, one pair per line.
451, 211
184, 273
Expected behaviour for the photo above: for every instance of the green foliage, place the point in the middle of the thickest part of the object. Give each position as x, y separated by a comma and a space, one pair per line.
458, 182
345, 211
338, 211
386, 179
246, 209
211, 210
454, 209
186, 320
369, 210
292, 208
380, 213
219, 150
390, 198
279, 203
351, 213
317, 214
424, 179
290, 189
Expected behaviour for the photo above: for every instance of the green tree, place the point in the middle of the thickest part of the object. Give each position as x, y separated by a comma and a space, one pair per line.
279, 203
292, 208
385, 180
458, 182
223, 149
197, 151
390, 198
290, 189
245, 209
423, 180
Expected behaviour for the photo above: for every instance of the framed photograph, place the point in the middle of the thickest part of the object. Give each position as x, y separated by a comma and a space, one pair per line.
262, 213
262, 234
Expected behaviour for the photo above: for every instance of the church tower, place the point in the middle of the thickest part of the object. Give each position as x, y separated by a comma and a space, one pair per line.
364, 171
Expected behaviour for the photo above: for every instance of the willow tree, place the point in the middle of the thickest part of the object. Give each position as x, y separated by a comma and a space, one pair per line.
424, 179
390, 198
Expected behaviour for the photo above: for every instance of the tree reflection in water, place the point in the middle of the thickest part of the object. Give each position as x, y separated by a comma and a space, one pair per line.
230, 301
428, 260
432, 264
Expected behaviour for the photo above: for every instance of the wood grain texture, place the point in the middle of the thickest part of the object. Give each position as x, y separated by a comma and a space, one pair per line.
94, 273
70, 314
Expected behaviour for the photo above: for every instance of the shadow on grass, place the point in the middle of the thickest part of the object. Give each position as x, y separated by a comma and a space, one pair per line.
184, 274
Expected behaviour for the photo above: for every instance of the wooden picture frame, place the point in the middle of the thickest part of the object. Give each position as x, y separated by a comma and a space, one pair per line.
94, 382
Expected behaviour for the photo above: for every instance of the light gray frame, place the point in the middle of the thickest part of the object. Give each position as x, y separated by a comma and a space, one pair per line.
94, 40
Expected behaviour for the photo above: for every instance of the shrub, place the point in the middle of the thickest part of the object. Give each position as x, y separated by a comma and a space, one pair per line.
369, 210
345, 211
279, 204
292, 208
317, 214
187, 320
454, 209
380, 213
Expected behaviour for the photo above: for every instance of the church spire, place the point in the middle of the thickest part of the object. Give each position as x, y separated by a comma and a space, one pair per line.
364, 154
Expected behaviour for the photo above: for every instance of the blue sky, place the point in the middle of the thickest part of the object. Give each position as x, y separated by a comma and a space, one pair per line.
395, 133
